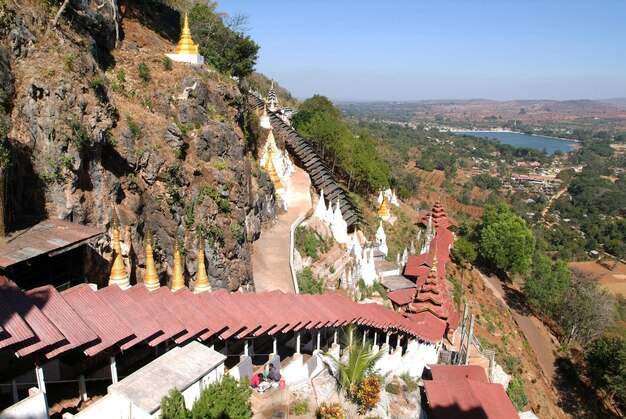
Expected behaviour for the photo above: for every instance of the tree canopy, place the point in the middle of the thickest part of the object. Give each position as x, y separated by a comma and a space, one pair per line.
355, 157
222, 40
546, 283
606, 364
504, 240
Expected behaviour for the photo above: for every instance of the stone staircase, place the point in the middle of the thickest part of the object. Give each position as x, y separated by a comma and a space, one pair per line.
337, 259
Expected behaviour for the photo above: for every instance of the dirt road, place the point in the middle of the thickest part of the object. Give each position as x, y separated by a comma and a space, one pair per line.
538, 336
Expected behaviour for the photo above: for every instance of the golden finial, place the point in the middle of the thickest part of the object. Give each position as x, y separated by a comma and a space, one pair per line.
151, 279
178, 281
186, 45
118, 275
202, 279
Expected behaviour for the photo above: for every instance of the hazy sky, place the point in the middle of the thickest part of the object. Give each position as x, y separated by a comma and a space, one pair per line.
440, 49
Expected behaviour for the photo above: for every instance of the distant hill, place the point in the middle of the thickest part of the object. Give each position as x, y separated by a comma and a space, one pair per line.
609, 114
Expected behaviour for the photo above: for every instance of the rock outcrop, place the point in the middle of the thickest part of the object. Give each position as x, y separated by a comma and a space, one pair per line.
171, 152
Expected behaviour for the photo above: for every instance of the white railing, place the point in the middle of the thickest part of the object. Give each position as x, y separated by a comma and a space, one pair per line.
292, 244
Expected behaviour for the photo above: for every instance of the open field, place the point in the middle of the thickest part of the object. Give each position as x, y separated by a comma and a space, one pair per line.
614, 281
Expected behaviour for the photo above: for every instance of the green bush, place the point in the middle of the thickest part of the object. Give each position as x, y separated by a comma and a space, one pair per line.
410, 382
516, 393
308, 284
144, 73
167, 63
69, 60
393, 388
301, 407
310, 243
228, 398
222, 203
331, 411
134, 128
368, 394
173, 406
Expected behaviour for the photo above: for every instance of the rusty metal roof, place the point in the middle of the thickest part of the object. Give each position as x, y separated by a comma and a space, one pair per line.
48, 236
55, 308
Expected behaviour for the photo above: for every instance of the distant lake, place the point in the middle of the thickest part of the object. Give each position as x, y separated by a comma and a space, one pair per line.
524, 140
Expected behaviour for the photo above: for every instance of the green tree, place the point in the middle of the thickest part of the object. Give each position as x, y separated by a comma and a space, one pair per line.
505, 242
222, 41
546, 283
360, 362
606, 366
227, 398
173, 406
517, 394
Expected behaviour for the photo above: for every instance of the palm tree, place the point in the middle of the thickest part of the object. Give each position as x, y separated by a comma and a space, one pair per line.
360, 362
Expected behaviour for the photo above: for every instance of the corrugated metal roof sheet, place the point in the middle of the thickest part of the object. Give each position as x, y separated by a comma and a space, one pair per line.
55, 308
45, 331
99, 316
47, 236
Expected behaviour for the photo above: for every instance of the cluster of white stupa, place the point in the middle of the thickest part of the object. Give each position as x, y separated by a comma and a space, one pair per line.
391, 197
429, 235
333, 218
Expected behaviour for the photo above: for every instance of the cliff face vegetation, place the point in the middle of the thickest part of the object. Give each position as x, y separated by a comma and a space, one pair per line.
98, 123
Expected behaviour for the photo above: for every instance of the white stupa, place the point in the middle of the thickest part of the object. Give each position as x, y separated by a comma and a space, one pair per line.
368, 269
328, 217
339, 227
265, 119
394, 199
380, 197
320, 209
381, 239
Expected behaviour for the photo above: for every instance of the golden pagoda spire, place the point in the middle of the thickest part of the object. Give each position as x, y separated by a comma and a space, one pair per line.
271, 170
383, 210
186, 45
151, 279
202, 279
178, 281
118, 275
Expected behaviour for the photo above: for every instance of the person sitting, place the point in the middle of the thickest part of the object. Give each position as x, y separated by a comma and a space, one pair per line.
256, 380
273, 373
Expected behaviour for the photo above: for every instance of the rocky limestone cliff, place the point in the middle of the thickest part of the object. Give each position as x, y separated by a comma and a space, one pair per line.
172, 154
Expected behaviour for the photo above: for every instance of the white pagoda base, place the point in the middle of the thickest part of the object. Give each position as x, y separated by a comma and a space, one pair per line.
196, 59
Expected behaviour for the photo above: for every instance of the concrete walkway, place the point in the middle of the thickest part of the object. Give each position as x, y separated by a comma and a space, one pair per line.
270, 253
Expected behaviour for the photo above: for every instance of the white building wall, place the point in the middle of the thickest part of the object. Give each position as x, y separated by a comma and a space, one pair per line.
32, 407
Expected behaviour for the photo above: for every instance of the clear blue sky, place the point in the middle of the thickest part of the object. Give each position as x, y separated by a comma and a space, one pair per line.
412, 50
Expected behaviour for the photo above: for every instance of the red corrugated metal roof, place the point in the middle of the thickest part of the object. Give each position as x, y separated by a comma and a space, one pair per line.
133, 315
402, 297
15, 328
99, 316
458, 372
45, 331
186, 313
468, 399
42, 238
168, 323
55, 308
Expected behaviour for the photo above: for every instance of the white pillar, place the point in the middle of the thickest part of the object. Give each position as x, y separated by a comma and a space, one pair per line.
82, 388
16, 396
351, 333
245, 347
335, 337
365, 337
319, 336
387, 338
375, 337
41, 383
298, 342
275, 345
399, 343
113, 369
